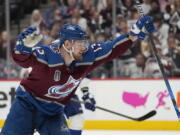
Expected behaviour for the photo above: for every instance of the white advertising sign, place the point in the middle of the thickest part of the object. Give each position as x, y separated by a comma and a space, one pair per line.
130, 97
133, 98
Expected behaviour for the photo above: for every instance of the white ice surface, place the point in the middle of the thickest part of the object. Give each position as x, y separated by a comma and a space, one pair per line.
130, 132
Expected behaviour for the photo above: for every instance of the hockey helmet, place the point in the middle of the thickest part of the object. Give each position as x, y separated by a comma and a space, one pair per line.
72, 32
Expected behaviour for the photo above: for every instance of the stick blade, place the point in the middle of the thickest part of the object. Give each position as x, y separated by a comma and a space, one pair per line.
147, 116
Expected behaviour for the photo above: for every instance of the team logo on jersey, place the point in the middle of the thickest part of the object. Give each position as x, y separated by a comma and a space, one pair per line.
57, 75
61, 91
55, 48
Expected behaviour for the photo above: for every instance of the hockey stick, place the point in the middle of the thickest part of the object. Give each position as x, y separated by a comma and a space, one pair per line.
154, 50
142, 118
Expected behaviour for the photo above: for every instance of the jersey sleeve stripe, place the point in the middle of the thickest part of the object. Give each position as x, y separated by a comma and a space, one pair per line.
116, 44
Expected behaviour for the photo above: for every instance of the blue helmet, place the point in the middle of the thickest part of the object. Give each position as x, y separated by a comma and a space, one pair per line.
71, 32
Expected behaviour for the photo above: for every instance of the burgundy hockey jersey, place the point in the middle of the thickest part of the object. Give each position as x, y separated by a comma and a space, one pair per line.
50, 79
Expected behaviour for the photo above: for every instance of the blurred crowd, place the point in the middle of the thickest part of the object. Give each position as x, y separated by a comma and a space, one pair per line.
95, 17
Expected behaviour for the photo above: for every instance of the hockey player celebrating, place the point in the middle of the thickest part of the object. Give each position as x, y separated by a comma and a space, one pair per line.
57, 70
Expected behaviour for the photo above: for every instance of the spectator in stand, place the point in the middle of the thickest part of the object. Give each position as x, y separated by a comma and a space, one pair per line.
176, 6
163, 4
3, 75
161, 32
100, 4
146, 6
174, 20
37, 20
95, 24
49, 14
152, 68
3, 44
95, 17
87, 9
174, 55
7, 69
106, 14
145, 48
78, 19
155, 8
54, 33
72, 5
57, 16
122, 26
82, 21
129, 6
136, 69
134, 15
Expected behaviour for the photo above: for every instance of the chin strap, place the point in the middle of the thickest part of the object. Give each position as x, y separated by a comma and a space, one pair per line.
70, 52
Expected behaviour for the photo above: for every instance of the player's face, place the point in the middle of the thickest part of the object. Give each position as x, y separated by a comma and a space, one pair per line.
80, 47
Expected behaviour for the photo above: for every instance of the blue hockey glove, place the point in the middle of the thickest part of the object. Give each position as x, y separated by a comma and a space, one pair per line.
89, 101
29, 37
137, 29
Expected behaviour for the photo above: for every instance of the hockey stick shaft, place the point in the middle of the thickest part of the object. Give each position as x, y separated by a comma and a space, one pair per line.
154, 50
144, 117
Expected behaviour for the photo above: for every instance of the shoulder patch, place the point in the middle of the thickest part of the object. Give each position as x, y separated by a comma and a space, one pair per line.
54, 49
55, 46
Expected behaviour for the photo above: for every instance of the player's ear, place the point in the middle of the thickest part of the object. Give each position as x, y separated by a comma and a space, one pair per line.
67, 44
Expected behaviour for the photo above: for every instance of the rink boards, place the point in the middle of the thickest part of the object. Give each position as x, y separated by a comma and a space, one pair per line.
132, 97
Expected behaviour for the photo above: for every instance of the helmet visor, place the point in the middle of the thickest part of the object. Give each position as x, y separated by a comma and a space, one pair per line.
81, 43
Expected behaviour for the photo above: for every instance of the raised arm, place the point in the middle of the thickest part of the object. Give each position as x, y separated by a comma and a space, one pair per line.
107, 51
26, 49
